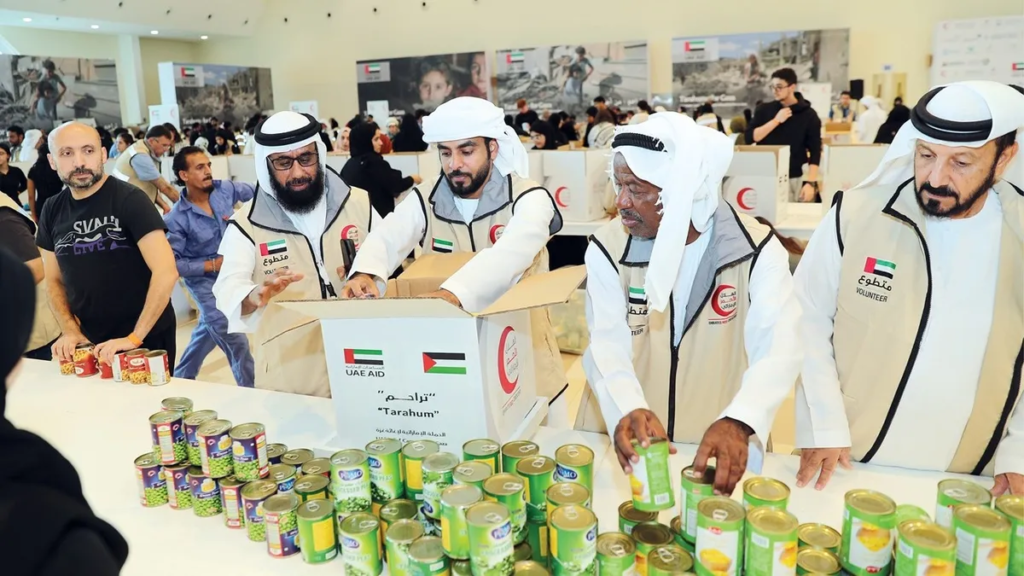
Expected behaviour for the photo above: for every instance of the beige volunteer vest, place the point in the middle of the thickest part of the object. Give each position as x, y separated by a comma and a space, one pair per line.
689, 385
447, 232
123, 169
882, 314
289, 348
45, 328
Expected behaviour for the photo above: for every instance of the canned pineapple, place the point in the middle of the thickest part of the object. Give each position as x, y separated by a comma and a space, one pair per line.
513, 452
677, 533
317, 539
819, 537
472, 472
397, 540
510, 490
539, 472
983, 541
360, 545
575, 463
1013, 508
815, 562
648, 535
771, 542
629, 517
719, 547
669, 560
438, 474
761, 491
573, 540
868, 520
616, 554
924, 549
566, 494
484, 450
650, 480
691, 491
385, 459
953, 493
455, 501
426, 558
490, 539
413, 454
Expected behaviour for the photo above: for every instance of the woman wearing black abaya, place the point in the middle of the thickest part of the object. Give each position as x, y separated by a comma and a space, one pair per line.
410, 136
46, 525
368, 170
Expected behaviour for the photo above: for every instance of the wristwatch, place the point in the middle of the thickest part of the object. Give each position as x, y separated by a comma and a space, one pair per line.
813, 183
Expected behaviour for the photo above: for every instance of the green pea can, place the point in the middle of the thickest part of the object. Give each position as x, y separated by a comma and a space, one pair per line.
924, 549
350, 482
282, 524
692, 490
484, 450
509, 490
616, 554
719, 547
179, 493
537, 538
819, 537
385, 459
205, 493
760, 491
192, 423
167, 431
297, 457
284, 475
816, 562
231, 502
1013, 508
395, 510
177, 403
513, 452
462, 568
426, 558
575, 463
650, 481
630, 517
669, 560
529, 568
647, 536
539, 472
473, 473
312, 488
413, 454
318, 541
274, 453
771, 542
316, 467
360, 545
254, 494
438, 474
983, 541
868, 520
954, 492
573, 540
152, 484
566, 494
490, 539
249, 449
397, 540
522, 552
455, 501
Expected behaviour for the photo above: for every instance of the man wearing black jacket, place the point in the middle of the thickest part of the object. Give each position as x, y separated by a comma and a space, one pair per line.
790, 121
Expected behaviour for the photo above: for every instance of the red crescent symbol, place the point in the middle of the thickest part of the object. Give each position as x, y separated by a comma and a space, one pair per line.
716, 305
558, 197
739, 198
507, 385
496, 231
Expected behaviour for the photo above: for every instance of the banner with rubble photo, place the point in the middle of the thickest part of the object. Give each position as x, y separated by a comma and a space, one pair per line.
45, 91
421, 82
567, 77
733, 71
204, 91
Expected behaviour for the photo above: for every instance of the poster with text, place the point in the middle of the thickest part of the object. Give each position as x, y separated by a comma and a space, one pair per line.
43, 91
979, 49
229, 93
567, 77
733, 71
421, 82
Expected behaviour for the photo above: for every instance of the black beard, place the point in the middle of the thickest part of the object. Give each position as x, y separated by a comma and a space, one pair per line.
95, 177
932, 207
303, 201
476, 181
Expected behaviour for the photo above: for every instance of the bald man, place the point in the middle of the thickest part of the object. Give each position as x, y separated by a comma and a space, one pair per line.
109, 268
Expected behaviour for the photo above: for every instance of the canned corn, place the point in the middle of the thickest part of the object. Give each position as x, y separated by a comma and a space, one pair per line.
983, 541
616, 554
819, 537
691, 491
231, 501
539, 472
575, 463
249, 447
192, 423
573, 540
513, 452
413, 454
484, 450
868, 520
395, 510
312, 488
385, 460
953, 493
669, 560
490, 539
472, 472
350, 482
566, 494
647, 536
924, 549
284, 475
761, 491
274, 453
215, 449
279, 512
150, 478
360, 545
1013, 508
719, 547
510, 490
629, 517
650, 480
318, 541
397, 540
254, 494
815, 562
455, 500
771, 542
426, 558
297, 457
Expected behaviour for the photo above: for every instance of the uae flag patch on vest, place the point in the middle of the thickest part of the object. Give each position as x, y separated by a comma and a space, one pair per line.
881, 268
274, 247
443, 246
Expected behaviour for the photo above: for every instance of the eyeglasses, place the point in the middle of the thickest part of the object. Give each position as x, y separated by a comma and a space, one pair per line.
779, 87
283, 163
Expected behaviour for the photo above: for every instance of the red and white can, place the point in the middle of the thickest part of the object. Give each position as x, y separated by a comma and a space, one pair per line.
120, 367
138, 366
106, 371
159, 369
85, 361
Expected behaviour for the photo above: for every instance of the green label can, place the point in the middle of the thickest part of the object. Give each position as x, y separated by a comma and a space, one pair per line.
575, 463
360, 545
954, 492
484, 450
254, 494
438, 474
868, 520
630, 517
513, 452
426, 558
231, 502
522, 552
537, 538
566, 494
490, 539
816, 562
761, 491
669, 560
539, 472
317, 541
616, 554
395, 510
385, 461
719, 547
462, 568
771, 542
1013, 508
573, 540
530, 568
510, 490
413, 455
648, 536
397, 540
350, 481
473, 473
819, 537
691, 491
650, 481
983, 541
311, 488
924, 549
677, 534
279, 511
455, 500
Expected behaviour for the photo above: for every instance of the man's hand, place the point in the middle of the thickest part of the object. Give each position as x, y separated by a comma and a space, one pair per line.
277, 283
417, 179
807, 193
1009, 482
444, 295
360, 286
64, 348
105, 351
784, 114
727, 440
643, 425
341, 271
824, 459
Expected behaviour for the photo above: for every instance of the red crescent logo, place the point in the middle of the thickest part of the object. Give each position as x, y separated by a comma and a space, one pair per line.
723, 301
508, 360
350, 232
739, 198
496, 232
558, 197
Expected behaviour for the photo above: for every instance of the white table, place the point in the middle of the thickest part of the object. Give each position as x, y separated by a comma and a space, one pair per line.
102, 426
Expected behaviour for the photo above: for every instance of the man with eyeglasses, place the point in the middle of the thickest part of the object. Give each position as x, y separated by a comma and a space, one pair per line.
291, 242
790, 121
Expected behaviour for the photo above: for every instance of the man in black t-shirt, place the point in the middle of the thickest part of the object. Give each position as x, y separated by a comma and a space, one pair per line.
109, 267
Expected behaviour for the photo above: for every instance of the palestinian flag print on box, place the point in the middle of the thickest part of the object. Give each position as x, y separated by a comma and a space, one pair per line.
275, 247
443, 246
364, 357
444, 363
878, 267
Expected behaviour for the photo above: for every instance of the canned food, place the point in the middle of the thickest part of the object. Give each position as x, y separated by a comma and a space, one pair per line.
350, 482
906, 512
215, 449
529, 568
650, 480
983, 541
168, 433
490, 539
67, 368
120, 367
150, 478
648, 535
138, 367
513, 452
771, 542
279, 513
539, 472
274, 453
461, 567
231, 501
473, 473
484, 450
296, 457
565, 494
761, 491
819, 537
924, 549
85, 361
616, 554
385, 459
254, 494
676, 525
1013, 508
318, 541
630, 517
159, 369
537, 538
953, 493
670, 560
455, 500
868, 520
320, 467
360, 544
183, 405
432, 526
816, 562
719, 547
413, 454
397, 539
192, 423
510, 490
284, 475
522, 552
438, 473
179, 493
426, 557
573, 534
395, 510
249, 447
575, 463
692, 490
312, 487
106, 370
205, 493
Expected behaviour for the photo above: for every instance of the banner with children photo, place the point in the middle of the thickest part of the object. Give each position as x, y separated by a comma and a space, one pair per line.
421, 82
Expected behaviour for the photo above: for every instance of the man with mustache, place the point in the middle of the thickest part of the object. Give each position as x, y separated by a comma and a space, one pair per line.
139, 165
290, 242
690, 307
913, 297
109, 268
195, 227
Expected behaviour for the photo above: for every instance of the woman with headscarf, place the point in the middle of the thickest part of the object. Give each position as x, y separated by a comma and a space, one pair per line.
226, 145
343, 140
410, 136
43, 182
46, 525
30, 146
898, 116
600, 136
544, 135
368, 170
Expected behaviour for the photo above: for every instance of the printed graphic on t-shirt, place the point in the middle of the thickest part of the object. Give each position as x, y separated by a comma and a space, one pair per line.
92, 235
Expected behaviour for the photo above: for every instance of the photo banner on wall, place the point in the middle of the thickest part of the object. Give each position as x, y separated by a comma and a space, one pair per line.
421, 82
43, 91
568, 77
733, 71
228, 93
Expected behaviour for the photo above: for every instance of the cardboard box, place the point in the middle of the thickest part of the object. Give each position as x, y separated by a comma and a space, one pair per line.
757, 181
847, 165
577, 180
415, 368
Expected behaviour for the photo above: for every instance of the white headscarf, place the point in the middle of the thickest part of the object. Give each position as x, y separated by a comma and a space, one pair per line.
689, 172
973, 101
28, 146
470, 117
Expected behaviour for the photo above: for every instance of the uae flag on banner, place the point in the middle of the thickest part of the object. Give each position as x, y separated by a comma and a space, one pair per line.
694, 45
443, 246
514, 57
187, 72
1018, 66
444, 363
275, 247
363, 357
372, 68
637, 295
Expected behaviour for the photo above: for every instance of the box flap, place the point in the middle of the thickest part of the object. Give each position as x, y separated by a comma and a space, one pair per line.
427, 274
541, 290
375, 308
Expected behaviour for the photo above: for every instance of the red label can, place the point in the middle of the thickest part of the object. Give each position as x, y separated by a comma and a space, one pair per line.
120, 367
85, 361
67, 368
106, 370
159, 368
138, 366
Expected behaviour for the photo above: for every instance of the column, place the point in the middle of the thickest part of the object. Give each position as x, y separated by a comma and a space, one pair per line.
129, 81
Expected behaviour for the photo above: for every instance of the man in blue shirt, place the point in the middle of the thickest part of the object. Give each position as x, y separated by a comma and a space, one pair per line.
194, 228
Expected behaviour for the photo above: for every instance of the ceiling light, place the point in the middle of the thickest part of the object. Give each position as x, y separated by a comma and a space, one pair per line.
26, 19
204, 37
154, 32
95, 26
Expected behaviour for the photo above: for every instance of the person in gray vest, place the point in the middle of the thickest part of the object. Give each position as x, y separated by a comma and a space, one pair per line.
139, 165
